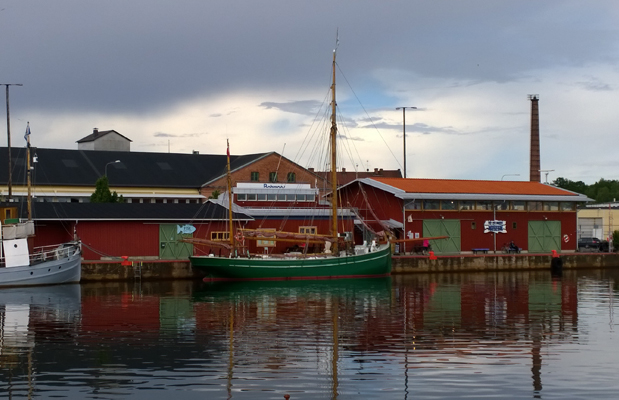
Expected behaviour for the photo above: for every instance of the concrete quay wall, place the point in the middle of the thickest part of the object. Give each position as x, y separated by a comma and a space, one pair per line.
99, 271
491, 262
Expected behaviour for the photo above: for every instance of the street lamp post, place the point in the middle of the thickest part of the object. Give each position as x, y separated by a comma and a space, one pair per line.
8, 135
404, 131
111, 162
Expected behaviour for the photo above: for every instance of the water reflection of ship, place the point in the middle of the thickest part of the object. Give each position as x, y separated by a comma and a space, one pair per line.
26, 313
323, 304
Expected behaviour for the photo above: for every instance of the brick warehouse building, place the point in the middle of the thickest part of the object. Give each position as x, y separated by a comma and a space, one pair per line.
538, 217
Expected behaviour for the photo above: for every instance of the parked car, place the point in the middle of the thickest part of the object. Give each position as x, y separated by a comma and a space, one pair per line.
592, 244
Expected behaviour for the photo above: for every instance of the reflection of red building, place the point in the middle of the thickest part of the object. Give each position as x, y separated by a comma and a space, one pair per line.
120, 316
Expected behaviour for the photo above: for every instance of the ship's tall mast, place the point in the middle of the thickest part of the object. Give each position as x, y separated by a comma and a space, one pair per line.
334, 162
28, 172
229, 180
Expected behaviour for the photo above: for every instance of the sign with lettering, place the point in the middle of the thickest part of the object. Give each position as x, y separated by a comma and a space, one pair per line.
495, 227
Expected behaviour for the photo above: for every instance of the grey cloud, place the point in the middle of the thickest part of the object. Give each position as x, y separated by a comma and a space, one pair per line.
595, 85
175, 135
303, 107
114, 56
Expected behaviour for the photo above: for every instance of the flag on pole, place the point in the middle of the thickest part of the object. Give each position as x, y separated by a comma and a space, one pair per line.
227, 148
27, 134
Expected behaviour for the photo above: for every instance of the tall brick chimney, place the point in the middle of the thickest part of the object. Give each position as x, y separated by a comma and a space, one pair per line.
534, 161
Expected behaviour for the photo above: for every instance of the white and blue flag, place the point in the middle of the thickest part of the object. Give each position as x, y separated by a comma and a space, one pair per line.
27, 134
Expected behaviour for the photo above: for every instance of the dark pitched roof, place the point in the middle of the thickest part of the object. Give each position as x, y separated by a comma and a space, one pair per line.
62, 167
128, 211
97, 134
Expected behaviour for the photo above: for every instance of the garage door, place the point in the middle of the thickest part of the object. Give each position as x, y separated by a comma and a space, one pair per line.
170, 246
443, 227
544, 236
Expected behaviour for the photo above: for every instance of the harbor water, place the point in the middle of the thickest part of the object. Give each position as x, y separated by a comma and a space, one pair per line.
507, 335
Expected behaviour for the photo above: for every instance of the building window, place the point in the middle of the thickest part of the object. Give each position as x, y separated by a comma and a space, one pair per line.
431, 204
255, 176
300, 197
567, 206
467, 205
307, 230
449, 205
241, 197
413, 205
501, 205
262, 197
271, 197
551, 206
310, 197
473, 225
292, 177
251, 197
534, 205
518, 205
483, 205
281, 197
514, 225
272, 176
220, 236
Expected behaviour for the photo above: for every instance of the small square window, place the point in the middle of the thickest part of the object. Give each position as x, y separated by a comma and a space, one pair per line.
292, 177
241, 197
255, 177
272, 176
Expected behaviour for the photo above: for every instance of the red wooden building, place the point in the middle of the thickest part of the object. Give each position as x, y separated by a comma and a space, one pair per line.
537, 217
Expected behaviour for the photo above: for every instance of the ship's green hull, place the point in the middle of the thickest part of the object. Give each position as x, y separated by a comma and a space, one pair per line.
377, 263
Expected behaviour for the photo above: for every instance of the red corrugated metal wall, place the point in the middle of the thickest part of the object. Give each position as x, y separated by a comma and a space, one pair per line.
118, 238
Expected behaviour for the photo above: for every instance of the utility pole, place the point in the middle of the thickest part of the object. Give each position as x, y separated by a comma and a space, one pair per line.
8, 134
404, 131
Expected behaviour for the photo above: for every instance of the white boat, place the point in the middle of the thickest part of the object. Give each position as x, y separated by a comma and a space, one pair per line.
47, 265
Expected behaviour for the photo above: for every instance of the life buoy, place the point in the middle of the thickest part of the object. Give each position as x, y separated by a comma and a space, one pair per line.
566, 238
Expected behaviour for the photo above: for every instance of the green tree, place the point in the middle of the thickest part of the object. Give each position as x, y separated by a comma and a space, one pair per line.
215, 194
574, 186
103, 194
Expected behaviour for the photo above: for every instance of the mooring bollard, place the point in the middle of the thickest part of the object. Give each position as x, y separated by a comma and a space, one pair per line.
556, 263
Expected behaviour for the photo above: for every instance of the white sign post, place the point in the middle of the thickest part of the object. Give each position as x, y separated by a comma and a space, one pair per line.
495, 227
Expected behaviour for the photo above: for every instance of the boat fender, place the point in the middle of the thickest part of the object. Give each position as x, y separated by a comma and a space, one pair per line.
240, 238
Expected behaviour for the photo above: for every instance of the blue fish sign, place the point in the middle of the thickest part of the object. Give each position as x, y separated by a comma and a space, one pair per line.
185, 229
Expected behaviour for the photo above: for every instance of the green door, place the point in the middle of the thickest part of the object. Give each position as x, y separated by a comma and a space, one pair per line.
170, 246
544, 236
443, 227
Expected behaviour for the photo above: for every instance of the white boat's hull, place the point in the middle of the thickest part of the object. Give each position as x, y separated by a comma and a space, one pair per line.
65, 269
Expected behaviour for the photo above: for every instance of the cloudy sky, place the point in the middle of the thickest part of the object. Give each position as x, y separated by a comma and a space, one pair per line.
186, 75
